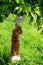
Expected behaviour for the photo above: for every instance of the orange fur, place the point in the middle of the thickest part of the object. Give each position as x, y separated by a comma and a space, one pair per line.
15, 46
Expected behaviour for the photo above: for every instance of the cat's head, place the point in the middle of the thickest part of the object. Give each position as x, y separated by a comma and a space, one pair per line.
19, 29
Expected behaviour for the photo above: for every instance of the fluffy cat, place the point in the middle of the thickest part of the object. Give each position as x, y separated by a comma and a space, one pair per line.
15, 46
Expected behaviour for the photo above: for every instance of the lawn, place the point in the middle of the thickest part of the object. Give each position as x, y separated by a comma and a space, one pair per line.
31, 49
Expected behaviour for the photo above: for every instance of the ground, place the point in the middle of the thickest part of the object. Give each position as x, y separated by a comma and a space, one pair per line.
31, 49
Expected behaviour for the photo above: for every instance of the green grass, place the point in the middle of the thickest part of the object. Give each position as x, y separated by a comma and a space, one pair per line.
31, 49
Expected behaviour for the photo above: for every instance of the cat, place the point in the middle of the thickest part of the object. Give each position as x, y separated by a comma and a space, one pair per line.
15, 46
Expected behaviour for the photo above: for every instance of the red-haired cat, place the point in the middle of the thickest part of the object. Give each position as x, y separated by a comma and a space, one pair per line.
15, 46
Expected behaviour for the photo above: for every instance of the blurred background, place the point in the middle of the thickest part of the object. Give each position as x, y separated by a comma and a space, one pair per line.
31, 49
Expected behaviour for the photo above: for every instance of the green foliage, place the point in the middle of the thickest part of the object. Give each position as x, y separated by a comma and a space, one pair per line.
31, 49
40, 2
10, 6
33, 8
1, 19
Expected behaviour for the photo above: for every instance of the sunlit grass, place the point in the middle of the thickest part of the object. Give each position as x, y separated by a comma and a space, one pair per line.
31, 49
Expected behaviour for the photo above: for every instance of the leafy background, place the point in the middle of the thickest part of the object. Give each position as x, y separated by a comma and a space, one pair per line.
31, 49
